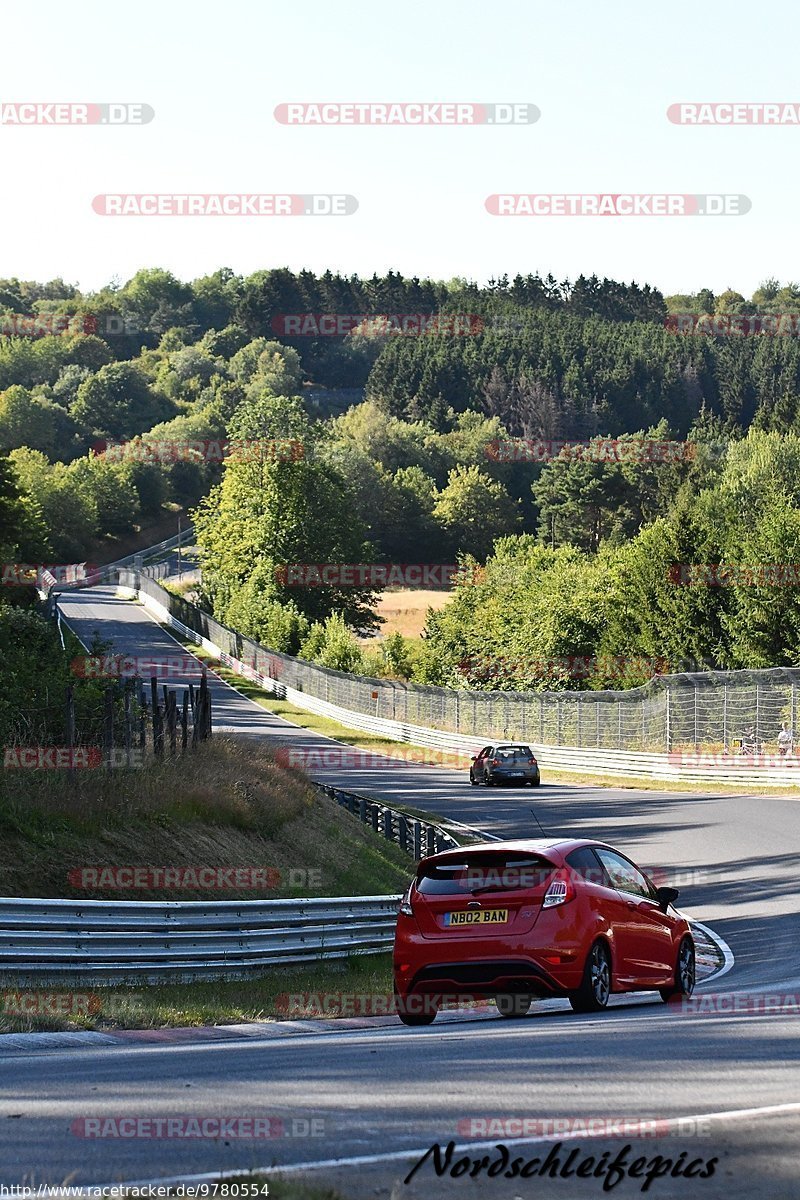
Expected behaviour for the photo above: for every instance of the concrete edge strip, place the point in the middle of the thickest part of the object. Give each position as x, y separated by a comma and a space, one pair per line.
721, 945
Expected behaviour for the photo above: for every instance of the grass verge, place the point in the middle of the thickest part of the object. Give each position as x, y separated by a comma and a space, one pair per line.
219, 1003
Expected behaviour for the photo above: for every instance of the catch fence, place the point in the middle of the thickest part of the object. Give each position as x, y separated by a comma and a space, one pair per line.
708, 710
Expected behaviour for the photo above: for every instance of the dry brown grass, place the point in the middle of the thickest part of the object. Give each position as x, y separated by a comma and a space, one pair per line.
405, 611
226, 804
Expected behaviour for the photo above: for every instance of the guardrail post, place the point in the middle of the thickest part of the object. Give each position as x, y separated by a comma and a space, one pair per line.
417, 828
184, 722
362, 810
430, 839
402, 832
374, 813
388, 825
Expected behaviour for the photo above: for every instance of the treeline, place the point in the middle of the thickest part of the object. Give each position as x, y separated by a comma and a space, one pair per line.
550, 375
63, 420
639, 606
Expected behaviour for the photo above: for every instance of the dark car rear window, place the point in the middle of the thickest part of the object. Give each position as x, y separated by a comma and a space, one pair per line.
484, 872
513, 754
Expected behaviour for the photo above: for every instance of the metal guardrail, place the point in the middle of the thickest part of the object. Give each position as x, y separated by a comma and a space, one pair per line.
101, 942
415, 837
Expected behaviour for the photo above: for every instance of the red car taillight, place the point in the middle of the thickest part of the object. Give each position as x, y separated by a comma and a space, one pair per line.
405, 904
495, 762
561, 890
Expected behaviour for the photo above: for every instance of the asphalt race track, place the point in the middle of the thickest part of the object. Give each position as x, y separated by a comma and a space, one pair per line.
377, 1092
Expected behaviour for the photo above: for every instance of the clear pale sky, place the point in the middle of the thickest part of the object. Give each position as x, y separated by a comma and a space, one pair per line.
602, 75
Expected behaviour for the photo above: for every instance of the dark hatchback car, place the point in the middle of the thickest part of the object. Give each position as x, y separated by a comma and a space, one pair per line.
505, 762
517, 921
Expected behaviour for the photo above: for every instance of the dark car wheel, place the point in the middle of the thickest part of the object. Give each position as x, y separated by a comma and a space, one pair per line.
684, 974
415, 1010
513, 1006
473, 780
595, 989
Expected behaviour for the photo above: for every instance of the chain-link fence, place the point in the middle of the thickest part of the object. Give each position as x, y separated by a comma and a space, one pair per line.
712, 710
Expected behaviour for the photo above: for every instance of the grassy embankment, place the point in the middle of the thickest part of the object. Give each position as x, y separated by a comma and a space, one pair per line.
226, 804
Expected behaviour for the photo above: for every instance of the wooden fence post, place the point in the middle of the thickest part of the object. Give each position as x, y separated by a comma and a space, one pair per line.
70, 722
128, 732
158, 731
108, 729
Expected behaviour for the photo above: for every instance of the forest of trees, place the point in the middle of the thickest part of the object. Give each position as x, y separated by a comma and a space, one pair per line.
408, 475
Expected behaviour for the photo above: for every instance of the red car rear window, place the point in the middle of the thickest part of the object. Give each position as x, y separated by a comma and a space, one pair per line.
484, 872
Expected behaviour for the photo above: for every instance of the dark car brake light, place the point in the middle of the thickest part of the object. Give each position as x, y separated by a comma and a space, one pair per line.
532, 762
495, 762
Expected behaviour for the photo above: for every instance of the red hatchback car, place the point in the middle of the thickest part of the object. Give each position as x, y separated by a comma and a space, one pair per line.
522, 920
